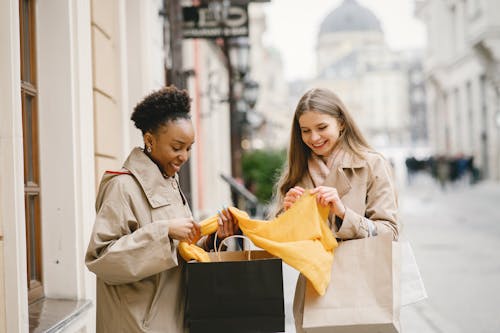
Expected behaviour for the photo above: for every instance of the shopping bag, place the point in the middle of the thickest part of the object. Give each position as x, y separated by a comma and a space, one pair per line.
364, 291
238, 291
412, 285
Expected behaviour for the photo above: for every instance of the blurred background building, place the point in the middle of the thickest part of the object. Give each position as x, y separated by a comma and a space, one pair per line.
462, 79
355, 61
271, 128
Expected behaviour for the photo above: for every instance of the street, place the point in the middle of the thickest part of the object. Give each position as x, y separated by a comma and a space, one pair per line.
455, 235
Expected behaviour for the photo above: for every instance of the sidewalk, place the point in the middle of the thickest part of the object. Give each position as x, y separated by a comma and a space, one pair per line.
455, 235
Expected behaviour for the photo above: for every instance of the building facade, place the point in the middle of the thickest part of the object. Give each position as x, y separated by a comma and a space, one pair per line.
72, 73
272, 129
211, 153
462, 79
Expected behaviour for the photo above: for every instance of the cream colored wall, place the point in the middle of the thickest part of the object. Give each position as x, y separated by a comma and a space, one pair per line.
13, 265
108, 131
143, 30
65, 98
2, 285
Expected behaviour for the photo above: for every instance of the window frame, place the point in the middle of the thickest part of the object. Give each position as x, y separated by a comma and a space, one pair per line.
32, 187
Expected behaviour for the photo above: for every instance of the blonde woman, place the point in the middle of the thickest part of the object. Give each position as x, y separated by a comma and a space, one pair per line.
329, 156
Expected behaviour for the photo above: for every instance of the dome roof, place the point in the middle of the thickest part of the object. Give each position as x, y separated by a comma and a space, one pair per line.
350, 16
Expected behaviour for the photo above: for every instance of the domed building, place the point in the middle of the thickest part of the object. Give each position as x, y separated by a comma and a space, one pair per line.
348, 27
354, 60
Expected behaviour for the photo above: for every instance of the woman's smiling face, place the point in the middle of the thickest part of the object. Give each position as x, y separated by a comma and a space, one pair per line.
319, 131
171, 145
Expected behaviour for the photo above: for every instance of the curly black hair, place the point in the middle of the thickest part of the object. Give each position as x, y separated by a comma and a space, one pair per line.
160, 107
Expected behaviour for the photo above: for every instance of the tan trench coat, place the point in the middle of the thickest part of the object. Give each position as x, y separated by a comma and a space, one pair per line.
139, 275
366, 187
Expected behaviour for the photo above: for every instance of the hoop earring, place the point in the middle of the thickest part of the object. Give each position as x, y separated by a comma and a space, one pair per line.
148, 149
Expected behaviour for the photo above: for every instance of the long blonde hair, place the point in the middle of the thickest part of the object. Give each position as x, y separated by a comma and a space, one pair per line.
350, 140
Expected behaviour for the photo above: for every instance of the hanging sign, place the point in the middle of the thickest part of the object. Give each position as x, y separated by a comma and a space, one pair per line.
201, 22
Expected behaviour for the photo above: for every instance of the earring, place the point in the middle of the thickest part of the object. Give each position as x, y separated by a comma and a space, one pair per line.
148, 149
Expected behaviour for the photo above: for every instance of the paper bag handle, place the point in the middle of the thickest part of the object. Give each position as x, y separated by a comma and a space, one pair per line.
223, 241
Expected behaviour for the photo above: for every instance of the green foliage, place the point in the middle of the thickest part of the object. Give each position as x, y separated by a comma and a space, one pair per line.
261, 170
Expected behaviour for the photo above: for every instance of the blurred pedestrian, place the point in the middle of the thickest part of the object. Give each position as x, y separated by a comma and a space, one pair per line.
443, 171
411, 169
142, 215
329, 156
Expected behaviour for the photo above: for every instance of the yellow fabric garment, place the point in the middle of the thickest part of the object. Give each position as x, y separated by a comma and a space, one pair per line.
193, 252
300, 237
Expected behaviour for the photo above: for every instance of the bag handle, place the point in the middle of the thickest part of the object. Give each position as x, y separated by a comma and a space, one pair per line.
217, 249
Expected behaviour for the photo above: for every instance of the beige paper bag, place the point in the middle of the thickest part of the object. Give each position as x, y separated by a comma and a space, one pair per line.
364, 292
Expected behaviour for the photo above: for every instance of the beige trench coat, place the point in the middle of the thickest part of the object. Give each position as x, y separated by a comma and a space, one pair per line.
366, 188
139, 275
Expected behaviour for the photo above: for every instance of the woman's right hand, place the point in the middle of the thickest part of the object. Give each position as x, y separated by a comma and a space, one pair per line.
184, 229
292, 196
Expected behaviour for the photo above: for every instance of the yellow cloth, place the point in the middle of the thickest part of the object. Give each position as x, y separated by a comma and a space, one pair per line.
193, 252
300, 237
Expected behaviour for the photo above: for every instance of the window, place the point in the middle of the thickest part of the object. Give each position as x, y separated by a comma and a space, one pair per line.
29, 95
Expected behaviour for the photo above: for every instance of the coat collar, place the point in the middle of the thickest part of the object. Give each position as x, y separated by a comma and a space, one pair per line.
337, 177
149, 177
352, 161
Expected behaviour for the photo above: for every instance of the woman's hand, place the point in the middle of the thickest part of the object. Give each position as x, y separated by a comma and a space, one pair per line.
228, 225
292, 196
184, 229
328, 196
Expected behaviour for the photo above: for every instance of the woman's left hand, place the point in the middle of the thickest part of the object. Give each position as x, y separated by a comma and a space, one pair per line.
328, 196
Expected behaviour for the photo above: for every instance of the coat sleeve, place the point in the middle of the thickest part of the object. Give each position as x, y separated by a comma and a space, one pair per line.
120, 251
381, 205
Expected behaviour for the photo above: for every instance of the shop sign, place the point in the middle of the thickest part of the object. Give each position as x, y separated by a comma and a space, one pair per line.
201, 22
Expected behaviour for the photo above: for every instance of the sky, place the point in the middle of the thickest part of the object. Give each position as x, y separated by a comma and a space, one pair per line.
293, 25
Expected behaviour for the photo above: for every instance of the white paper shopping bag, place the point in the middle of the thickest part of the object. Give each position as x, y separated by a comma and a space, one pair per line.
412, 285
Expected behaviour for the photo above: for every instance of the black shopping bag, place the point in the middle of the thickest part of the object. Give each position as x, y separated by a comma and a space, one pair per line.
235, 294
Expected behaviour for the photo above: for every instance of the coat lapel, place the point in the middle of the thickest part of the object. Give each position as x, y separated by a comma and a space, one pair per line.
337, 177
149, 177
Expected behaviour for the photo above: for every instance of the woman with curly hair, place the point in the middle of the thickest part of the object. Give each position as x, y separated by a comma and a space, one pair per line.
142, 215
